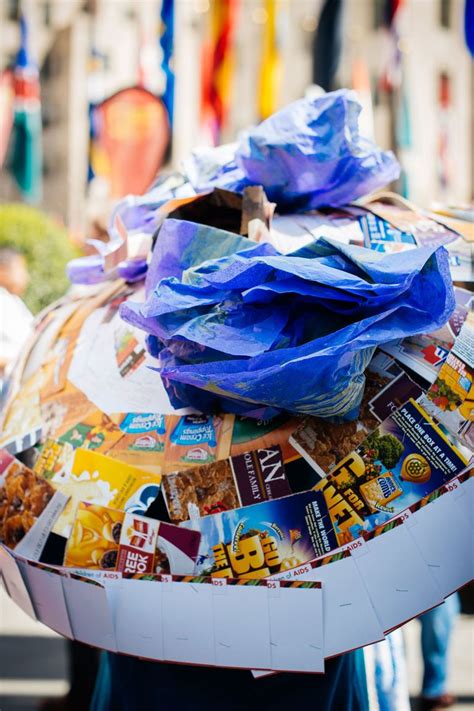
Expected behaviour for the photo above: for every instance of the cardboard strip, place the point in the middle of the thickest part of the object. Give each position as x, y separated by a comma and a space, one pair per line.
442, 533
89, 612
187, 614
138, 619
46, 589
398, 581
349, 619
296, 627
241, 625
14, 583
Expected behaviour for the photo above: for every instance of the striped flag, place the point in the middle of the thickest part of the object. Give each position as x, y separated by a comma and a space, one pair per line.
217, 67
26, 155
167, 48
7, 97
271, 67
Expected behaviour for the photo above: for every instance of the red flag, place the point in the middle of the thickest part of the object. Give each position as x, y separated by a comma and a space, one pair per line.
217, 66
7, 98
131, 135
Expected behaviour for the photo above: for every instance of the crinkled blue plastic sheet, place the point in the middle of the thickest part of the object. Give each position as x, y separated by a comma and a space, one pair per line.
254, 331
309, 154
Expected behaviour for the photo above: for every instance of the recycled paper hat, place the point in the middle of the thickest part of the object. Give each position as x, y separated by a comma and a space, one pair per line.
83, 373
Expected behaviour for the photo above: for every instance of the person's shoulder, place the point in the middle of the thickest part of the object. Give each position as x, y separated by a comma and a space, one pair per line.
5, 297
14, 305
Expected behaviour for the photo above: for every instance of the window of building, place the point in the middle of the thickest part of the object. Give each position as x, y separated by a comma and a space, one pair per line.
13, 9
379, 14
445, 13
47, 13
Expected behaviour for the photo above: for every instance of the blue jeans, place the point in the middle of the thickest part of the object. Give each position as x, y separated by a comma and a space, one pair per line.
436, 629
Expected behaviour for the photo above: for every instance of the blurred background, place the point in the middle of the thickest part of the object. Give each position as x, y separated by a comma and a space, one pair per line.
97, 97
217, 67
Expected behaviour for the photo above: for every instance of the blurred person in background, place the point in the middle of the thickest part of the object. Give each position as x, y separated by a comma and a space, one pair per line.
15, 317
436, 632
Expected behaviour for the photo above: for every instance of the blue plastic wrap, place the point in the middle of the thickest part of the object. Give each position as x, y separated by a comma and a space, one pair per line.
309, 154
252, 330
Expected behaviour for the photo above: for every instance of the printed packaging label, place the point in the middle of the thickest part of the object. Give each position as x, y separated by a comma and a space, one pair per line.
323, 443
196, 439
104, 481
403, 460
451, 397
263, 539
29, 507
103, 539
238, 481
426, 353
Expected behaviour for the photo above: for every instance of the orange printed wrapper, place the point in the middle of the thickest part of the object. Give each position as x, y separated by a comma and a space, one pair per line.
96, 431
61, 412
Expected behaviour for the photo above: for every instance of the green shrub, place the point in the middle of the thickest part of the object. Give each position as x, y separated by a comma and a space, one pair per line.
46, 247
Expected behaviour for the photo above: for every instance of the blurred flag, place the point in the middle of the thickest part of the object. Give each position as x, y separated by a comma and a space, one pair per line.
444, 104
403, 138
167, 48
327, 44
96, 64
469, 25
130, 137
403, 128
271, 68
7, 98
25, 158
217, 67
391, 77
361, 84
390, 9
